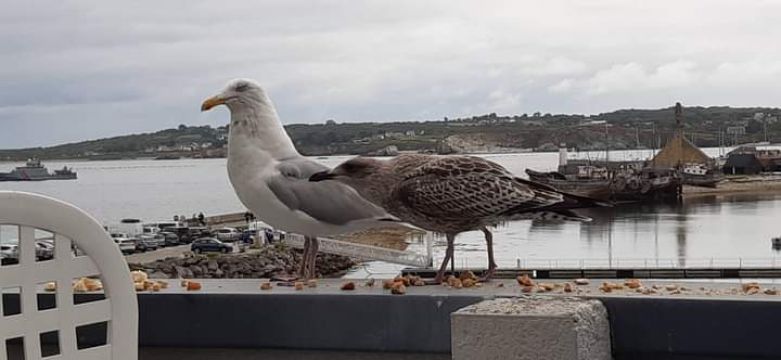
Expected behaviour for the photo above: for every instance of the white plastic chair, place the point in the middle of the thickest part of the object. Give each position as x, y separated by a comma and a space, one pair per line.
70, 225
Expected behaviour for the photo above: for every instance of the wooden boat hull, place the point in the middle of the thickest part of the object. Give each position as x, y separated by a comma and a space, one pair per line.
633, 189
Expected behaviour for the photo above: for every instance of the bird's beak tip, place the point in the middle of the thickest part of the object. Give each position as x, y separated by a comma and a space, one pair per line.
320, 176
212, 102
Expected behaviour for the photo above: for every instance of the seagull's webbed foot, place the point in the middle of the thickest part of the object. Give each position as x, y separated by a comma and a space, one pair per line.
437, 279
443, 268
489, 274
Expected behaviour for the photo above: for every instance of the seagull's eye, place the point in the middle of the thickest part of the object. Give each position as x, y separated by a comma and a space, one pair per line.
242, 87
353, 167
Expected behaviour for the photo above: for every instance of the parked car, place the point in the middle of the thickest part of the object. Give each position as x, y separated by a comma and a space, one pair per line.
168, 225
183, 233
124, 242
210, 244
44, 250
150, 229
247, 236
147, 242
159, 239
9, 254
197, 232
171, 239
227, 234
47, 241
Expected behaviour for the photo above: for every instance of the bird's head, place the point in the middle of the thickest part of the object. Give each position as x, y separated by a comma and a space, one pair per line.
237, 93
253, 116
363, 174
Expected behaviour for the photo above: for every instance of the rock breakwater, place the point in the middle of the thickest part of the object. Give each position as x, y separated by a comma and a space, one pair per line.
256, 263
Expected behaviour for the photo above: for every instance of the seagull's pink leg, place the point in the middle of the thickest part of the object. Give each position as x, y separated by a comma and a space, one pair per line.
448, 255
303, 271
313, 257
489, 243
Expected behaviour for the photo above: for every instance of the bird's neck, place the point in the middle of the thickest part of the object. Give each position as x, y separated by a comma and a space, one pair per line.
256, 125
378, 188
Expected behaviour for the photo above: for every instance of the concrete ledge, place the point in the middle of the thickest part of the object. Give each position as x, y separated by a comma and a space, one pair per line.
236, 314
663, 328
296, 321
531, 328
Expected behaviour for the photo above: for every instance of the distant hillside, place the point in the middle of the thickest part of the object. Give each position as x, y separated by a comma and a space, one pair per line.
202, 141
485, 133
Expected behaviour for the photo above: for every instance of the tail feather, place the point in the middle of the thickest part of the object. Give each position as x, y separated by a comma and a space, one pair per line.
554, 215
579, 201
561, 210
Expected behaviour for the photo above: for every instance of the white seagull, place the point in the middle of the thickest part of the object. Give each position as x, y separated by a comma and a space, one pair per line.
271, 178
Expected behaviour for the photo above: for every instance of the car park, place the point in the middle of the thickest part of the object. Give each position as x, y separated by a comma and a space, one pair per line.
210, 245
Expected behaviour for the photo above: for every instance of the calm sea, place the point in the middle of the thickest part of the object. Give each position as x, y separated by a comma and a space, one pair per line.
697, 230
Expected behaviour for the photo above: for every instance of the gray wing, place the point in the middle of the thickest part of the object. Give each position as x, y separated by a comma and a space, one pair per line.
465, 186
326, 201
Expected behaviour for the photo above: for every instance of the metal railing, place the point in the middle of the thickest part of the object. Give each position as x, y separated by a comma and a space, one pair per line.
652, 263
361, 251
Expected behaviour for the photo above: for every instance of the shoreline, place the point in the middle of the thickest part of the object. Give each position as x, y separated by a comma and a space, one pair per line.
732, 187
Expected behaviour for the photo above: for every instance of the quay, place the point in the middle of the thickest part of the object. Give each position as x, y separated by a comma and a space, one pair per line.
621, 273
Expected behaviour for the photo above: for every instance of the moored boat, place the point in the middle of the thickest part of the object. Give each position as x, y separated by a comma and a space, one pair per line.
615, 185
34, 171
700, 175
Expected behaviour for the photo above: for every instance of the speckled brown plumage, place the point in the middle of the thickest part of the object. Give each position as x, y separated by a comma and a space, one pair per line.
453, 194
459, 193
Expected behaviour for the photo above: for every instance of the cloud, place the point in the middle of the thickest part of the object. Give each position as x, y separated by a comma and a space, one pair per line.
562, 86
74, 70
752, 72
634, 77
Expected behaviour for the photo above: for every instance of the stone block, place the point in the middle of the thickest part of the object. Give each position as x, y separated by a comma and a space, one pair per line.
531, 328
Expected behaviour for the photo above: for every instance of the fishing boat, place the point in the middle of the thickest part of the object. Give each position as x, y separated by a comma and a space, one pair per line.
620, 184
700, 175
34, 171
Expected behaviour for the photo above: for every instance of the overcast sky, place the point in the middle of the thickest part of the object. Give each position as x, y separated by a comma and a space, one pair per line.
73, 70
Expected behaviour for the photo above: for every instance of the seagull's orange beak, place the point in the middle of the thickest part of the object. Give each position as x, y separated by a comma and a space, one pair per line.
212, 102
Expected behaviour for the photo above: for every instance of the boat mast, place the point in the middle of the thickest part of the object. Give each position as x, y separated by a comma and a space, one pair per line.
637, 137
607, 146
653, 139
679, 125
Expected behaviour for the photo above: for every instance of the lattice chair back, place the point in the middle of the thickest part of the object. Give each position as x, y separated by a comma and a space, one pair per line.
113, 314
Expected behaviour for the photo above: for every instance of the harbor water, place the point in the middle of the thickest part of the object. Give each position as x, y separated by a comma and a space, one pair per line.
698, 230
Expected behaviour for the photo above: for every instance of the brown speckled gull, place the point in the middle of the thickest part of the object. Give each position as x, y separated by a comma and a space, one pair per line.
453, 194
